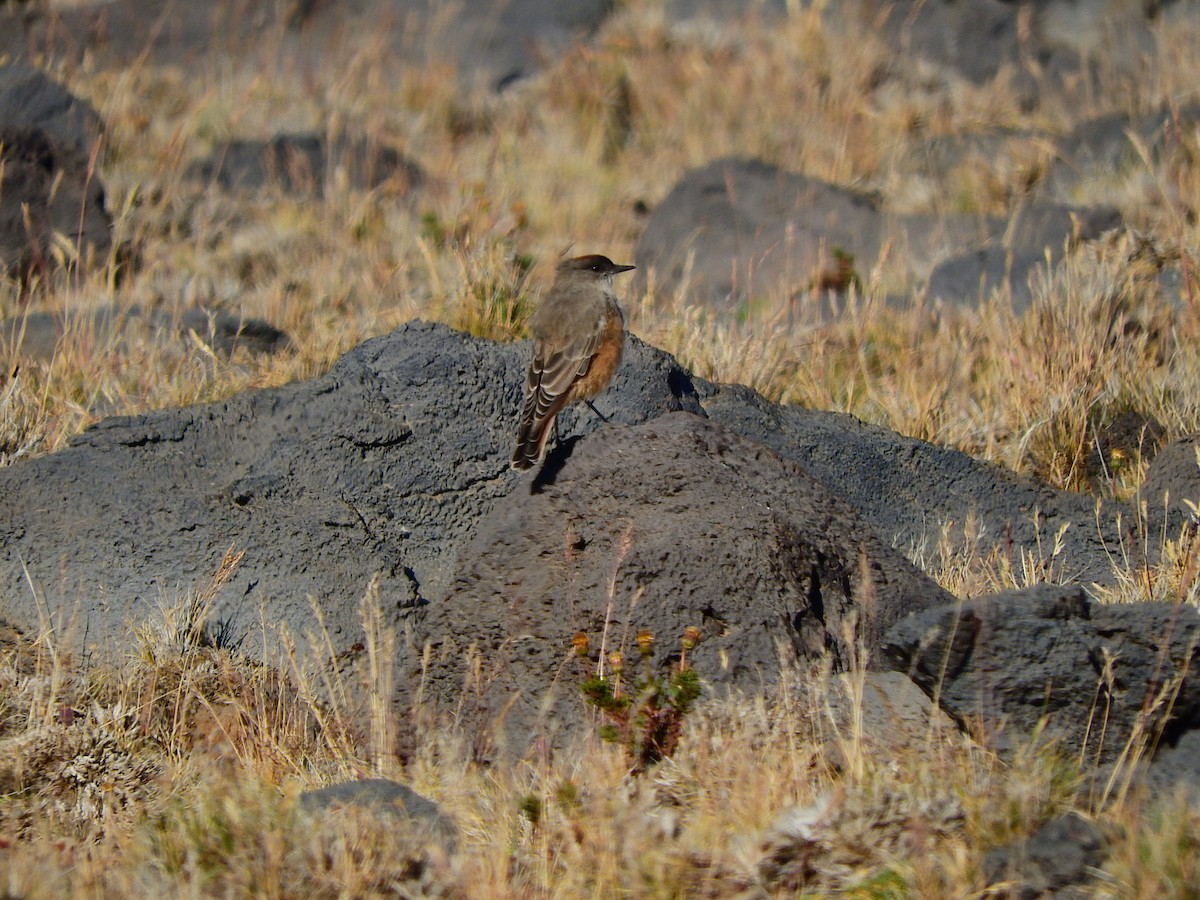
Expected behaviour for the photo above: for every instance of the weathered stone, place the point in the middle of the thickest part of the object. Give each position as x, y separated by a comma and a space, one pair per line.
1009, 663
672, 524
305, 163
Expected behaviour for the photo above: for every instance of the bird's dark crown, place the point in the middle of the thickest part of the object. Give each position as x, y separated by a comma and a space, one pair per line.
593, 262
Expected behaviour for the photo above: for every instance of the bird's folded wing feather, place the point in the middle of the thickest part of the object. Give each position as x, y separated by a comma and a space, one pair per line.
551, 375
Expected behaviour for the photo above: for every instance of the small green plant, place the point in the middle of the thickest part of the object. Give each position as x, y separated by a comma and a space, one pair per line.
530, 807
645, 715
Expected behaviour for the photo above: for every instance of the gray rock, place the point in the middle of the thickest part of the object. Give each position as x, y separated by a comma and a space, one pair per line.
1006, 662
496, 42
29, 100
1056, 226
49, 183
305, 163
1172, 484
910, 490
1037, 236
384, 468
381, 467
413, 839
672, 524
224, 331
972, 277
978, 39
737, 229
1176, 764
1109, 146
885, 713
47, 191
974, 38
723, 10
1130, 439
503, 42
1065, 852
397, 802
40, 335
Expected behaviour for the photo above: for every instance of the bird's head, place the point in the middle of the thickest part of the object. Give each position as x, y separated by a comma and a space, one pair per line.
593, 264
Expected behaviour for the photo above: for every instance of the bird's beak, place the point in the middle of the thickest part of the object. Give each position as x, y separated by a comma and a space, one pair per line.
617, 270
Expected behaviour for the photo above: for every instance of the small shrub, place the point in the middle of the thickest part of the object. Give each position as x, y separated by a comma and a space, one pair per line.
645, 716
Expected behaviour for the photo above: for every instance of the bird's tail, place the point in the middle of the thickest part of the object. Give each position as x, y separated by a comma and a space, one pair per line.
531, 441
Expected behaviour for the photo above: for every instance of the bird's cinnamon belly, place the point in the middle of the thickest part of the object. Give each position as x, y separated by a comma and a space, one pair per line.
605, 362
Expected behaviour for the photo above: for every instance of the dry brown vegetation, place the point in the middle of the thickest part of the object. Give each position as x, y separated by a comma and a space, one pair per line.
174, 770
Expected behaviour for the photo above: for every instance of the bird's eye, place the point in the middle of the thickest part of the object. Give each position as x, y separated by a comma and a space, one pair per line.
596, 267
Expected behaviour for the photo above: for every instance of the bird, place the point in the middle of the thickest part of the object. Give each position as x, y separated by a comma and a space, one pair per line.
578, 333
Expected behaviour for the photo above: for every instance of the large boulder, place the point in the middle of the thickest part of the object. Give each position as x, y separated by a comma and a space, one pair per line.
380, 468
51, 196
385, 466
1111, 147
304, 163
51, 205
40, 335
1101, 679
671, 524
737, 230
29, 99
771, 528
494, 43
919, 495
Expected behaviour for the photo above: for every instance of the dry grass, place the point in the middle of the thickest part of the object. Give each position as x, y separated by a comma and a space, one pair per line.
174, 771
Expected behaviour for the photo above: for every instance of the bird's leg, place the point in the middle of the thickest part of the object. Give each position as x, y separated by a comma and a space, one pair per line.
603, 417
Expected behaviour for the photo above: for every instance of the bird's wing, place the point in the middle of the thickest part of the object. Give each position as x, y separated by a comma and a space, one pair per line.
554, 369
551, 373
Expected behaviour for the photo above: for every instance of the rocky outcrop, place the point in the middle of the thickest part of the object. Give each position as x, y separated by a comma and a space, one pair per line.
1100, 679
496, 44
737, 230
304, 163
672, 524
51, 196
770, 528
39, 335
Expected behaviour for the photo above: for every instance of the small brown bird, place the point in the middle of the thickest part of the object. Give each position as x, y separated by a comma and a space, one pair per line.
578, 332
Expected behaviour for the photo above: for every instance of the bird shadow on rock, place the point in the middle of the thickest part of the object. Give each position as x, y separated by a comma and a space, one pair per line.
553, 464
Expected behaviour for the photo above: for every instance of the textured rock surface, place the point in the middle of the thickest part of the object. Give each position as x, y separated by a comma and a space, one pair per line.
381, 466
974, 275
912, 491
758, 522
496, 42
1002, 663
39, 335
1172, 483
385, 465
674, 523
504, 40
31, 100
50, 190
304, 163
1110, 146
1061, 854
407, 809
884, 713
47, 193
738, 229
